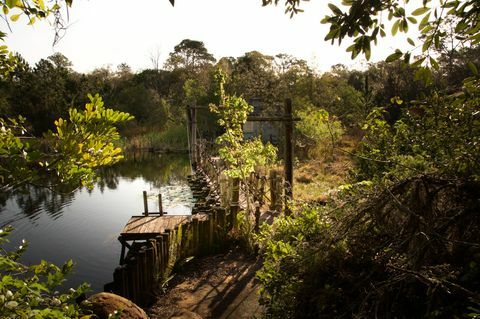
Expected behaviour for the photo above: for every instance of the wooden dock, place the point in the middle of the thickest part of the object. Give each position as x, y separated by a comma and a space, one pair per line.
147, 227
157, 241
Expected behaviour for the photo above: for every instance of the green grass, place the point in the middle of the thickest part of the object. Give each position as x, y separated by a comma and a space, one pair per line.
315, 178
173, 138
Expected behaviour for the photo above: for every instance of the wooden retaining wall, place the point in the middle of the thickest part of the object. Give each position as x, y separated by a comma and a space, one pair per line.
151, 261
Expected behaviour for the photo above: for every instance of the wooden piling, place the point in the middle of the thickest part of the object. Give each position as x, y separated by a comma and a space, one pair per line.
160, 205
145, 203
196, 235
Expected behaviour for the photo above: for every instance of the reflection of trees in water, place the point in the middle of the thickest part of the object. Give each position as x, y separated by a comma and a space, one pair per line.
153, 168
33, 200
108, 178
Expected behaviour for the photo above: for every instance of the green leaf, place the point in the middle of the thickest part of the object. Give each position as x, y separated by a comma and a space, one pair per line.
335, 9
395, 27
394, 56
15, 17
473, 68
410, 41
427, 44
420, 11
461, 26
10, 3
424, 21
418, 62
404, 26
434, 63
41, 4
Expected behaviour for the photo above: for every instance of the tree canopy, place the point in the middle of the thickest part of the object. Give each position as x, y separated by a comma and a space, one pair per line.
366, 21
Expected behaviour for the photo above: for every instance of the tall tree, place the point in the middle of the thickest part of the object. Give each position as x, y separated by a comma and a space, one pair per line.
190, 55
253, 76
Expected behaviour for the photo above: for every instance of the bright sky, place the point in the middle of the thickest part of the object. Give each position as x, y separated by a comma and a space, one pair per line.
110, 32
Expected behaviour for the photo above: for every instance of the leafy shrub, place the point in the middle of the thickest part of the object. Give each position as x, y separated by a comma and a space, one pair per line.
440, 135
403, 244
29, 291
320, 129
409, 250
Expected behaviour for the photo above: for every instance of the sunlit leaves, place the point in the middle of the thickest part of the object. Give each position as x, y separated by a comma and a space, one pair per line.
417, 142
80, 144
85, 141
34, 10
241, 156
320, 127
291, 6
362, 21
14, 17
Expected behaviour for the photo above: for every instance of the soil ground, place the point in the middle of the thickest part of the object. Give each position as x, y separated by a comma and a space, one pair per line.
221, 286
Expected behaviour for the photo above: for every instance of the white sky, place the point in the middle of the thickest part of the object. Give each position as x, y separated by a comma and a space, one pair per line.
110, 32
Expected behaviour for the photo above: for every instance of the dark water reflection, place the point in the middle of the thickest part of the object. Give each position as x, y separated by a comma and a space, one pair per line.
84, 225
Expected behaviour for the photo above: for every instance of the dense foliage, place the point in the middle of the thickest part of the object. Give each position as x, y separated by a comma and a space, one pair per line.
400, 241
441, 135
320, 130
409, 251
31, 291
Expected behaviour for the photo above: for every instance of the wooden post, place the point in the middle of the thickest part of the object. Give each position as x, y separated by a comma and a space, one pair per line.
142, 273
122, 252
166, 251
196, 236
234, 202
160, 257
133, 281
193, 143
273, 189
145, 203
160, 204
214, 217
288, 154
117, 281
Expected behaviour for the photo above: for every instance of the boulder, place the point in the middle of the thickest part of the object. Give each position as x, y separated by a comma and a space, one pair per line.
104, 303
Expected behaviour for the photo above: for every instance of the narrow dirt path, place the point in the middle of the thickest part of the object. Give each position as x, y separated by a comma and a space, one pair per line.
220, 287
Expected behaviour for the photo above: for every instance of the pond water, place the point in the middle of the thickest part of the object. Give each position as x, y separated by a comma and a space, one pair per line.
84, 225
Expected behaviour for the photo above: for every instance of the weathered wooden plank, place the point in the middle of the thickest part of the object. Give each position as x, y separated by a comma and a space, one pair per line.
139, 227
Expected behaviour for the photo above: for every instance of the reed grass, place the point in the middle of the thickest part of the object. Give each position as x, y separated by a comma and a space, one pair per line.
171, 139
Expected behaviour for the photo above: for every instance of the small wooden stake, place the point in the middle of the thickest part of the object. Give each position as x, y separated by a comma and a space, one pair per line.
145, 203
160, 205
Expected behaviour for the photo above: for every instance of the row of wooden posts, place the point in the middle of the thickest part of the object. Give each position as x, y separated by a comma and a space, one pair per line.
145, 204
287, 118
150, 261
